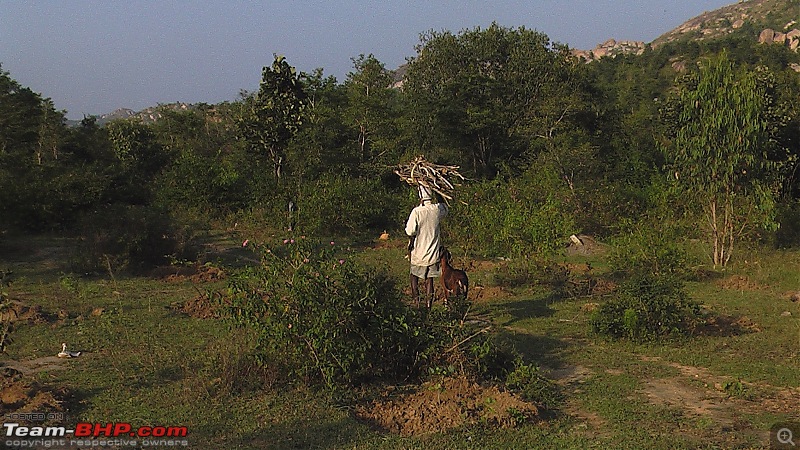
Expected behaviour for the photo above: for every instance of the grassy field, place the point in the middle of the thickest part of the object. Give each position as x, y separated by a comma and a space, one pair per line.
147, 362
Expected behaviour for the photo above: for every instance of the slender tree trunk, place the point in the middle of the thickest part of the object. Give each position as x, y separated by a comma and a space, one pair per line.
362, 141
715, 234
729, 227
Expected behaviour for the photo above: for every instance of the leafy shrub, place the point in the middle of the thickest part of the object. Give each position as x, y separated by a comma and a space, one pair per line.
528, 381
649, 249
323, 319
131, 237
647, 308
337, 204
508, 218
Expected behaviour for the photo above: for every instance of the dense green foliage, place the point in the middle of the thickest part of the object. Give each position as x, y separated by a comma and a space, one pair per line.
723, 150
552, 146
647, 308
324, 319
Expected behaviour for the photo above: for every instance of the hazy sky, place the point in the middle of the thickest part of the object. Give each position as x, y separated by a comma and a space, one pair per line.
92, 57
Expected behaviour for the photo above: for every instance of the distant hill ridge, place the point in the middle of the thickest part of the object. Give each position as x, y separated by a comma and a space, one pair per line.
766, 21
147, 115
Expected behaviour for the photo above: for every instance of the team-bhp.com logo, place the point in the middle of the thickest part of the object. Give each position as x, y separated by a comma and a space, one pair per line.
94, 434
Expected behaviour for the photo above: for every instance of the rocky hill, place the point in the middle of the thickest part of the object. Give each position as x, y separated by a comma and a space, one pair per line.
748, 16
765, 21
147, 115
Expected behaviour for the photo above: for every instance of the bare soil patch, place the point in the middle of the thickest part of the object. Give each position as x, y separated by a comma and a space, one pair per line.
18, 395
18, 311
485, 294
34, 366
699, 392
739, 283
693, 399
200, 307
571, 378
723, 325
196, 273
453, 402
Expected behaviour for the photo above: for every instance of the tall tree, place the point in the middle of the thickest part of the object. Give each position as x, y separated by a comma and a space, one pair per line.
369, 110
322, 142
722, 151
276, 112
491, 92
139, 159
31, 134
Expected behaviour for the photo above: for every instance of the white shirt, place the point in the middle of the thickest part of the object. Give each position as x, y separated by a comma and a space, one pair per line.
423, 223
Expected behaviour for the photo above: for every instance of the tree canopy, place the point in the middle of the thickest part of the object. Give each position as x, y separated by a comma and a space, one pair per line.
551, 145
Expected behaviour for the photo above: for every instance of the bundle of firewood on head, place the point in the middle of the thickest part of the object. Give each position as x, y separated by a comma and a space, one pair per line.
433, 177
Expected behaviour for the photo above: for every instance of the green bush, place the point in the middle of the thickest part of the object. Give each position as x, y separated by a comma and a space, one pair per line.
325, 320
515, 218
321, 317
528, 382
337, 204
131, 237
641, 248
647, 308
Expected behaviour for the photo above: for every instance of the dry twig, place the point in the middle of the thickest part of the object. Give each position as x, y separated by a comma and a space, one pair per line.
434, 177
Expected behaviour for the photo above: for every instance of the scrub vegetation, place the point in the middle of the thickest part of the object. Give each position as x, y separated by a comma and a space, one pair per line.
628, 227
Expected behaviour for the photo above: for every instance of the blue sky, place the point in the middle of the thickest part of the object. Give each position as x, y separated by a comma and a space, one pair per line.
92, 57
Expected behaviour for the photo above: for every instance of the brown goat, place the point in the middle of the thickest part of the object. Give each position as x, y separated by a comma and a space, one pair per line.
454, 281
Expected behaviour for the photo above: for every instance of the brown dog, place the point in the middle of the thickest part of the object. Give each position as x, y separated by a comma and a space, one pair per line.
454, 281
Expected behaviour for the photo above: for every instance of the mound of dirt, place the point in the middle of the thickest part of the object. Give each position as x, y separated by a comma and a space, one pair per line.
723, 325
739, 283
449, 403
200, 307
483, 294
793, 296
196, 274
20, 312
18, 396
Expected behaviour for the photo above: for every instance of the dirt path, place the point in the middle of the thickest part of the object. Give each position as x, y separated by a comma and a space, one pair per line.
724, 400
34, 366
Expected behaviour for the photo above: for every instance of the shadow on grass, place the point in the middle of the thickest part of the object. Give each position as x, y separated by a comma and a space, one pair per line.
77, 402
41, 257
725, 326
236, 257
540, 350
306, 433
527, 309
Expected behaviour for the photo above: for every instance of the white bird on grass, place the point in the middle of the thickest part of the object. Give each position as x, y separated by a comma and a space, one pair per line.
67, 354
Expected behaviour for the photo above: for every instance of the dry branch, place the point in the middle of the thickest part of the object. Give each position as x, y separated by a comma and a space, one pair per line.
434, 177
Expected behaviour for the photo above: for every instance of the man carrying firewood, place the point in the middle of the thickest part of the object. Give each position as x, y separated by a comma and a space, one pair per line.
423, 246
